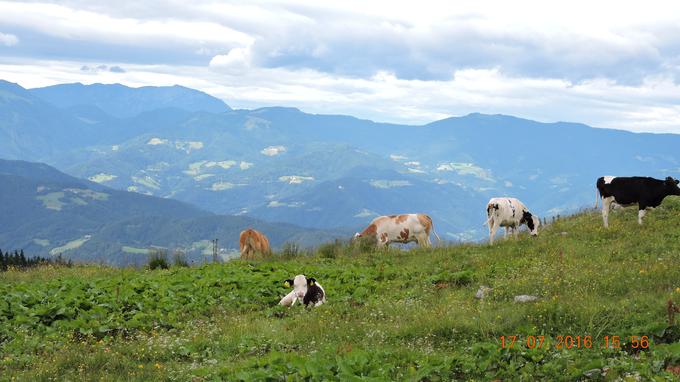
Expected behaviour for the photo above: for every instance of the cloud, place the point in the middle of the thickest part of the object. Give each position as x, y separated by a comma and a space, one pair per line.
236, 61
100, 68
7, 39
81, 30
404, 63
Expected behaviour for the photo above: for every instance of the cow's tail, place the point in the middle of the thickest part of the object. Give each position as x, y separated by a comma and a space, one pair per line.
435, 234
489, 208
249, 246
428, 222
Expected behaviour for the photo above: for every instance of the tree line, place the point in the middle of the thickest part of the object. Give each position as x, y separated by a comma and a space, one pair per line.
18, 260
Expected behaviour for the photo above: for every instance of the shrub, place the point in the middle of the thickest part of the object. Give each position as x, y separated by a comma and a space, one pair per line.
364, 245
290, 250
158, 258
331, 250
180, 259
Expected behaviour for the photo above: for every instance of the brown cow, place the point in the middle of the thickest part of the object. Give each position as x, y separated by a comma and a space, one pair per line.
400, 229
252, 242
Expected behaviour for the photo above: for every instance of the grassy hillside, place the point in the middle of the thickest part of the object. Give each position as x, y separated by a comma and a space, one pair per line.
401, 315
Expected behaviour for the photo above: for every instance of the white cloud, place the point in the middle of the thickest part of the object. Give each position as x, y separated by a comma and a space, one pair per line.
405, 63
650, 106
97, 26
236, 61
245, 165
8, 39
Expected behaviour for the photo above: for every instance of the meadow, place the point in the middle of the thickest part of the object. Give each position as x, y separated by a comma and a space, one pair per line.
601, 313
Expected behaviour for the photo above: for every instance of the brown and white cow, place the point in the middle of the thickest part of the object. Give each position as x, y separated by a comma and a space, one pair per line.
399, 229
252, 242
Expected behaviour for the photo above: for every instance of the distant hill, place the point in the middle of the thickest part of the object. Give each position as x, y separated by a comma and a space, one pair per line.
282, 164
46, 212
123, 101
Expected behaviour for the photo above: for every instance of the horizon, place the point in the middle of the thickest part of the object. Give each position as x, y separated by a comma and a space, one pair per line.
402, 64
471, 113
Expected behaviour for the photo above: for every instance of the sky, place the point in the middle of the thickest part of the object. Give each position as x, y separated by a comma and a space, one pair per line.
604, 63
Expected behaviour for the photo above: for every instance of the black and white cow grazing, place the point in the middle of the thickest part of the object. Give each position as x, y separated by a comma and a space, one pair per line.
306, 290
510, 213
646, 192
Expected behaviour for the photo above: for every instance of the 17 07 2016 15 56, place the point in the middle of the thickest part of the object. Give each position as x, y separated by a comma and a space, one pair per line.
573, 342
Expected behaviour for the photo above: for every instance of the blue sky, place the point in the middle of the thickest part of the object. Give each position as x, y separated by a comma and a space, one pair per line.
601, 63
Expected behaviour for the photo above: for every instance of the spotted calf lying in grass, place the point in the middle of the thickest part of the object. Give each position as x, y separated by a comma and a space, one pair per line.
305, 289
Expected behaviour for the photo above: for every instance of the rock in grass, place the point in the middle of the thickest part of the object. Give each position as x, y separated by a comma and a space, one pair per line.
483, 291
525, 298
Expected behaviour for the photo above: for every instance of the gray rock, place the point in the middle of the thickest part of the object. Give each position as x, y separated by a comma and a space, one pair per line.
525, 298
483, 291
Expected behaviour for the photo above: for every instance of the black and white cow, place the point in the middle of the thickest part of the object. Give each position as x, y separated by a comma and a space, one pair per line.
510, 213
306, 290
624, 191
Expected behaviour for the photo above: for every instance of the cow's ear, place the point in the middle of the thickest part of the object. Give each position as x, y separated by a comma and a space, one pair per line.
288, 283
311, 281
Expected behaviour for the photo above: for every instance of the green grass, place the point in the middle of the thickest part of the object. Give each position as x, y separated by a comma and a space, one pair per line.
396, 315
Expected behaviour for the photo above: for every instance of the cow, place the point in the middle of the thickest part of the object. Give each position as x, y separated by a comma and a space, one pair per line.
399, 229
306, 290
510, 213
624, 191
252, 242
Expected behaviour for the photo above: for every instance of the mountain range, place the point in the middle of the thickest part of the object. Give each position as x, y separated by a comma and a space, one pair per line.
317, 171
46, 212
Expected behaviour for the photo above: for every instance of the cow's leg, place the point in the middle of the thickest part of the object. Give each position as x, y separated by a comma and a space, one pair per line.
606, 206
641, 212
515, 231
493, 227
423, 240
505, 234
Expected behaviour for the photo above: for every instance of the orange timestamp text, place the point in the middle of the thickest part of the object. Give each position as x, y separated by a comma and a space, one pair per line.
573, 342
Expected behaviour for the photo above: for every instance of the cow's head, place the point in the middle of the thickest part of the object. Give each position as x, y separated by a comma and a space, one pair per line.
672, 186
531, 221
299, 285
